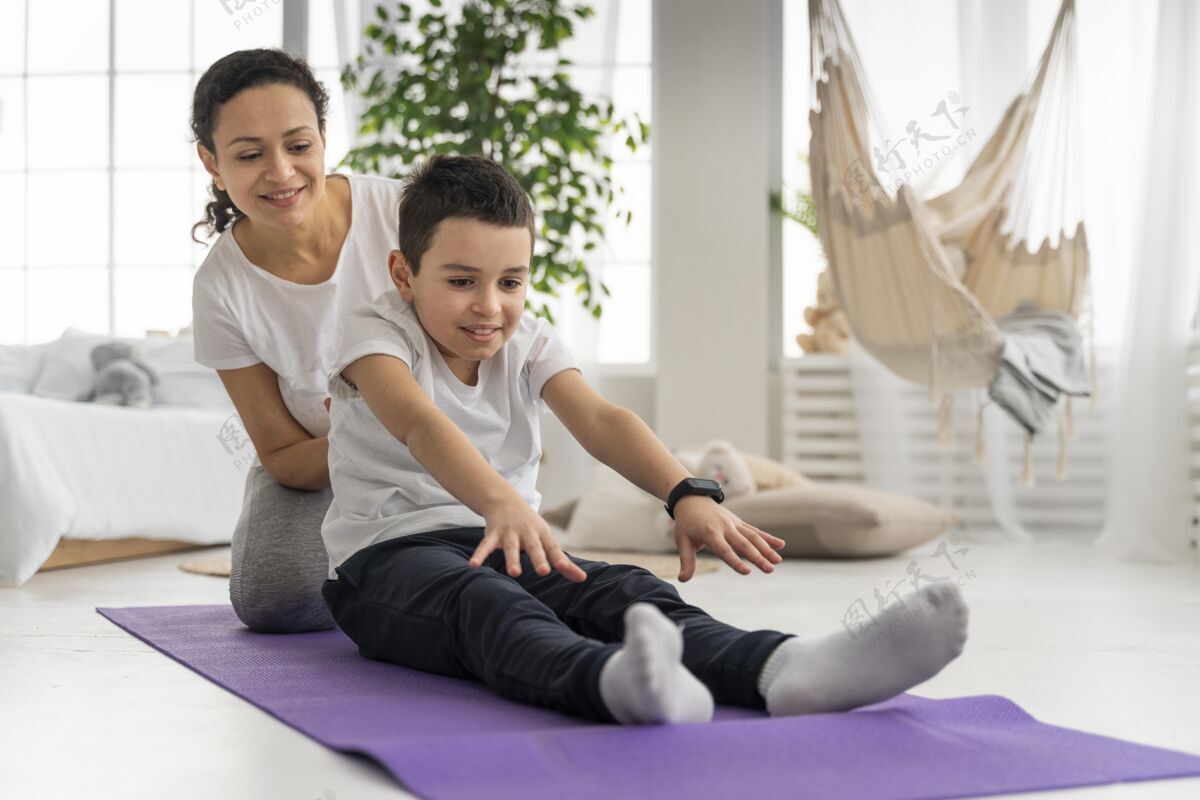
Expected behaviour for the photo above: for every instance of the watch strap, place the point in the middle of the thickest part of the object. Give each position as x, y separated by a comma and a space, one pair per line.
687, 487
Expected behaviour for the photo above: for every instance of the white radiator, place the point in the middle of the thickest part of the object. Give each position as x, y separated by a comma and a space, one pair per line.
821, 441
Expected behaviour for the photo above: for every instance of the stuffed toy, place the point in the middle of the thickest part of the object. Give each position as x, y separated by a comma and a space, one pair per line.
830, 330
769, 474
722, 463
122, 379
738, 473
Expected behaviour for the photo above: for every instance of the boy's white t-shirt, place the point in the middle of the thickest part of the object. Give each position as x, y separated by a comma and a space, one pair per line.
243, 315
380, 491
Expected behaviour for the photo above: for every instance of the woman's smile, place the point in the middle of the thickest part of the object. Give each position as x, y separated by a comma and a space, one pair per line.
284, 197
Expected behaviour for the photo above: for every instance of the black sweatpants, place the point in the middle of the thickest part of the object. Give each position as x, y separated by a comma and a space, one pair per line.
542, 640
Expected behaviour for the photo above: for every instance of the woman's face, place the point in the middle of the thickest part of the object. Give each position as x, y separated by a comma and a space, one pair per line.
270, 154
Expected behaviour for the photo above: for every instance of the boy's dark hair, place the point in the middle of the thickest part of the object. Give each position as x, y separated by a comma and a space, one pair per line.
470, 187
224, 80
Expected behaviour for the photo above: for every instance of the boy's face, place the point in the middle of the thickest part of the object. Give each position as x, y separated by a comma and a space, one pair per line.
474, 275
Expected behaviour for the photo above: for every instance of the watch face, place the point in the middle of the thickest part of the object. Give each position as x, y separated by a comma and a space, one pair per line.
704, 483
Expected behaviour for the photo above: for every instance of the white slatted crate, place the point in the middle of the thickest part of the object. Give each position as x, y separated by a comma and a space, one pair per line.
821, 440
820, 432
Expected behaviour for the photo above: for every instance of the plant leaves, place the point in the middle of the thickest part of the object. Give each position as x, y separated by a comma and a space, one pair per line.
446, 83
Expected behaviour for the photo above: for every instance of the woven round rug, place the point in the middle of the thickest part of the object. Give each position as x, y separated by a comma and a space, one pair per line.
218, 566
664, 565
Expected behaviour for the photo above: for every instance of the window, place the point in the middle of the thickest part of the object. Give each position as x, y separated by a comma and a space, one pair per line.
100, 184
99, 181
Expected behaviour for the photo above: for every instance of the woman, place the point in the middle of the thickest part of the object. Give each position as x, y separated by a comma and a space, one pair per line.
297, 249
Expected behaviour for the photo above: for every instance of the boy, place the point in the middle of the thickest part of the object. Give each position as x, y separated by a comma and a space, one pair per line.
439, 560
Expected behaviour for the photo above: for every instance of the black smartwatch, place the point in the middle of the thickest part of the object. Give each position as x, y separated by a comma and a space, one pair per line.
700, 486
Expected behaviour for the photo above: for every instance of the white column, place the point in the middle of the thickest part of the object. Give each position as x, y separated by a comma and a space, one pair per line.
716, 152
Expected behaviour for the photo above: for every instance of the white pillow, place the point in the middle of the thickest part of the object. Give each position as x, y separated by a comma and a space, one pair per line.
67, 372
614, 514
19, 366
181, 380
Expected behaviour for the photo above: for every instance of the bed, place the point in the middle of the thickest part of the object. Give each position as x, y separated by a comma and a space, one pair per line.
81, 483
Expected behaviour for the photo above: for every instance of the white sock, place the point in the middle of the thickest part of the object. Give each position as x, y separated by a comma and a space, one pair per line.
645, 682
904, 646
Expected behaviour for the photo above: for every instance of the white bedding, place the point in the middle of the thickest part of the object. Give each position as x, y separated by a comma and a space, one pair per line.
98, 472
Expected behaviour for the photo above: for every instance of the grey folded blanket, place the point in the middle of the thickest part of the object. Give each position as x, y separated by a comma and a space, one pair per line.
1042, 357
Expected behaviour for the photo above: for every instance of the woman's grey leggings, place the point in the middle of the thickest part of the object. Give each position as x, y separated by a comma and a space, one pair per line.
279, 561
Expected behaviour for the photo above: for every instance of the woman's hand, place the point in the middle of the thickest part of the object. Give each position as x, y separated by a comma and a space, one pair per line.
514, 526
702, 522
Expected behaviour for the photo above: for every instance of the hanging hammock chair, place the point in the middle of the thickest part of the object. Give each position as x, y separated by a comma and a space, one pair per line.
922, 281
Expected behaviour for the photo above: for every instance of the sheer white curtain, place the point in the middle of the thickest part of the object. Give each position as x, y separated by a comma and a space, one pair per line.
1149, 511
1116, 70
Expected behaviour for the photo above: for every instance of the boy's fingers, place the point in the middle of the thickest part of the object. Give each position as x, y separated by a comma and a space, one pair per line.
563, 563
480, 554
512, 555
687, 561
764, 546
570, 569
749, 549
573, 570
727, 554
538, 556
485, 548
772, 540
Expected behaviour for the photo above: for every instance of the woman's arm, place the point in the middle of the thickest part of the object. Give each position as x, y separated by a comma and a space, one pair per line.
288, 452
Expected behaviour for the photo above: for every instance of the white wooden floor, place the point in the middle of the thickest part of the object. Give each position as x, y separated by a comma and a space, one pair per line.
89, 711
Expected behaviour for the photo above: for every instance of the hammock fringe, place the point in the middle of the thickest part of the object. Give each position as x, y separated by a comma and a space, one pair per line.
1027, 468
980, 449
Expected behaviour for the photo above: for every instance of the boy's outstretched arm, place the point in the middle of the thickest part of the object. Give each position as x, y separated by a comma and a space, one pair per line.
616, 436
400, 404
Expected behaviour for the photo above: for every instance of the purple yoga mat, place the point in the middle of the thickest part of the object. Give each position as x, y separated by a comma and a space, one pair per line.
449, 738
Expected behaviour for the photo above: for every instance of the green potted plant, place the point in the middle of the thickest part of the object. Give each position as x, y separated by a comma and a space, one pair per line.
830, 330
798, 207
449, 81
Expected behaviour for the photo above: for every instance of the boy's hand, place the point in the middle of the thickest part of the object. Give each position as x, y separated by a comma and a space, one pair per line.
702, 522
514, 527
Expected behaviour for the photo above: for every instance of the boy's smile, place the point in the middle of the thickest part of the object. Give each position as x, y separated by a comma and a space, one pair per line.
469, 292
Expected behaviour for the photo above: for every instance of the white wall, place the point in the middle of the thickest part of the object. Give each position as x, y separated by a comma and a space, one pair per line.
716, 145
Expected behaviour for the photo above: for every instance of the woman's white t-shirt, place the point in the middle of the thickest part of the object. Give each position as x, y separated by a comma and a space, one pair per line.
380, 490
243, 315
